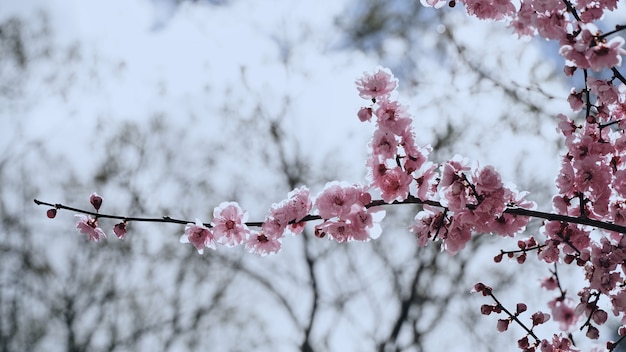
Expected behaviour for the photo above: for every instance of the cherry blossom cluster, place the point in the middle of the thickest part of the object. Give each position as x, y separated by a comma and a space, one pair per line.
472, 199
592, 179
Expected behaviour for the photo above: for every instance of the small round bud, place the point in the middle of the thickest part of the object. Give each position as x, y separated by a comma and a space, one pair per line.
51, 213
95, 200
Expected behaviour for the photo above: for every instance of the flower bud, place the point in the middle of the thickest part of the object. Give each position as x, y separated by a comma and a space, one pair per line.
51, 213
95, 200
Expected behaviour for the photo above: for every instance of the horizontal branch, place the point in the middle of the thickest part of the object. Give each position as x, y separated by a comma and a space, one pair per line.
410, 200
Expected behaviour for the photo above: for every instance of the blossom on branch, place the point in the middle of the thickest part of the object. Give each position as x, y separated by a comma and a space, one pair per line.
89, 226
229, 226
199, 236
261, 244
376, 84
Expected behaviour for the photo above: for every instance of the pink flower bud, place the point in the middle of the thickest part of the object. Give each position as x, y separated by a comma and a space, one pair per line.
599, 316
482, 288
365, 114
51, 213
523, 342
503, 325
120, 230
486, 309
540, 318
520, 308
593, 333
95, 200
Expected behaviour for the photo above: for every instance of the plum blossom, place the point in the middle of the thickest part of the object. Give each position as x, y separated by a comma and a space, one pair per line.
199, 236
376, 84
394, 184
336, 199
459, 232
229, 226
261, 244
426, 181
393, 117
288, 213
384, 144
606, 55
428, 224
453, 187
607, 93
89, 226
361, 224
563, 312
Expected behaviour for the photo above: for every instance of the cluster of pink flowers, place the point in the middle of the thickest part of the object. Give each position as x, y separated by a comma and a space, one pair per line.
569, 22
88, 225
473, 199
344, 209
461, 198
229, 225
592, 179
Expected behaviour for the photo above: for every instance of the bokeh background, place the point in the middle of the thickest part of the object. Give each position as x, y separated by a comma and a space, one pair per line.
169, 107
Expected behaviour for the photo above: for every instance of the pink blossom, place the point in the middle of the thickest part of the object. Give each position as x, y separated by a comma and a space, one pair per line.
550, 283
453, 187
428, 224
299, 203
336, 200
262, 245
523, 20
489, 9
591, 14
549, 253
394, 184
543, 6
415, 156
393, 117
539, 318
339, 230
199, 236
566, 126
575, 100
487, 180
606, 55
618, 301
229, 226
89, 226
459, 232
288, 213
563, 312
551, 25
573, 49
607, 93
366, 222
558, 344
384, 144
376, 84
427, 181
